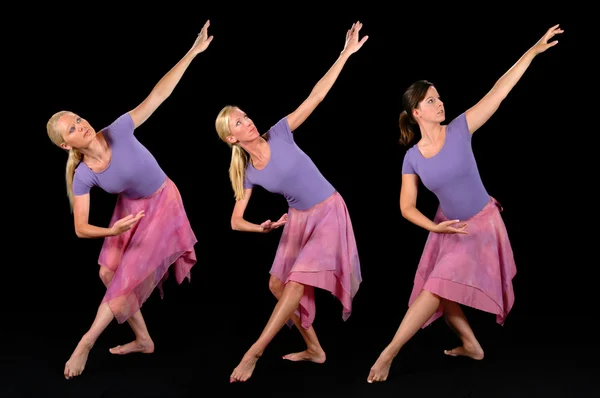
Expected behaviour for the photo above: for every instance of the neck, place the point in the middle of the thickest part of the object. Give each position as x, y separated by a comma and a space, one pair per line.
430, 131
94, 151
258, 149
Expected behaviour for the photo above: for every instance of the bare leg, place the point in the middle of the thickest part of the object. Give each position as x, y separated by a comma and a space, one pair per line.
455, 318
418, 313
314, 352
76, 363
290, 298
142, 343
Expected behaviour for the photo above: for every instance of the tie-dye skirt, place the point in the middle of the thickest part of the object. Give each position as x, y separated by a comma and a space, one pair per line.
318, 249
141, 256
475, 270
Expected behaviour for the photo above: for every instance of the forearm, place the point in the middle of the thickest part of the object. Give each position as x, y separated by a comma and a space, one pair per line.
239, 224
323, 86
506, 83
167, 84
91, 231
413, 215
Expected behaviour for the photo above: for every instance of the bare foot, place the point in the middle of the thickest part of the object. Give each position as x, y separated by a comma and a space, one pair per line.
244, 369
312, 355
473, 351
76, 364
380, 370
145, 346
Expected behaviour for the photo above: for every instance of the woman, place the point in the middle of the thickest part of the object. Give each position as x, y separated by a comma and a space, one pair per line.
149, 230
317, 246
467, 258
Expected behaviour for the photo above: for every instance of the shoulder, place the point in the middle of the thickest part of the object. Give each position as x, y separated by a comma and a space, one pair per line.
122, 124
459, 123
281, 129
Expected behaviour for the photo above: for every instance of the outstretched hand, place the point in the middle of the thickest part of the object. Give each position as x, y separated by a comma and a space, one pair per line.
202, 41
268, 225
543, 44
352, 44
446, 227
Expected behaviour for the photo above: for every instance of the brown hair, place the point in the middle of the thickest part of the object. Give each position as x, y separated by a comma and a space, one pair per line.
410, 100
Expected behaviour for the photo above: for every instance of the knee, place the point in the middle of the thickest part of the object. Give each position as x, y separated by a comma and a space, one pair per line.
433, 296
106, 275
275, 286
295, 287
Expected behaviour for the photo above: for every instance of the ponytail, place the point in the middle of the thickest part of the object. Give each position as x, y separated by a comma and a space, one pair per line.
237, 170
74, 159
407, 133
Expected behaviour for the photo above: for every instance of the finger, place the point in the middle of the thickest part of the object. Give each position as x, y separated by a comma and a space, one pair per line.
449, 222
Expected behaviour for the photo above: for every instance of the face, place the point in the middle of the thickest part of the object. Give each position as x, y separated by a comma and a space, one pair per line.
431, 109
75, 131
242, 128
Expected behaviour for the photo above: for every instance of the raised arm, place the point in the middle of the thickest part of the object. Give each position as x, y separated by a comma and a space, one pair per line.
487, 106
320, 90
238, 223
163, 89
83, 229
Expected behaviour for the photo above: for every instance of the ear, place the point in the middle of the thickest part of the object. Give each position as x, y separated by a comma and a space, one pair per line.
65, 147
231, 139
415, 113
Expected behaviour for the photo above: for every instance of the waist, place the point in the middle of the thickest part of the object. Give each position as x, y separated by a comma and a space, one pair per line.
305, 199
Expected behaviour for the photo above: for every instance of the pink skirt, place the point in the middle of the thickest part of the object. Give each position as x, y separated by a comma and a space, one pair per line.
141, 257
318, 249
475, 270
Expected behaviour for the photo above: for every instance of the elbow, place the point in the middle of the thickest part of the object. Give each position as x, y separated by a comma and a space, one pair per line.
234, 224
405, 211
79, 231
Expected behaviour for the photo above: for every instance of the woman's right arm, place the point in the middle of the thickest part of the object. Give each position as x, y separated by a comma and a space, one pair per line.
408, 207
408, 203
239, 224
237, 217
81, 211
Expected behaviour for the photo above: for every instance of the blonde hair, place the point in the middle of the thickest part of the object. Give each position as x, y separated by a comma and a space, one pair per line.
75, 156
239, 157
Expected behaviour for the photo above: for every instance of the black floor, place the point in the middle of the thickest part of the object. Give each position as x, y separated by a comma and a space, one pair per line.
195, 353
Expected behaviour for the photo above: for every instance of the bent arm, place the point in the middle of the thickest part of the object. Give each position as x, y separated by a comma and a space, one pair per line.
81, 211
408, 203
238, 223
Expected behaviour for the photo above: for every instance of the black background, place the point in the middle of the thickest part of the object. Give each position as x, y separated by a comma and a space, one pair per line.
103, 61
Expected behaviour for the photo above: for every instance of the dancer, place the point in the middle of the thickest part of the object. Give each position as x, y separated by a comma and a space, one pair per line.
149, 230
317, 246
468, 258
